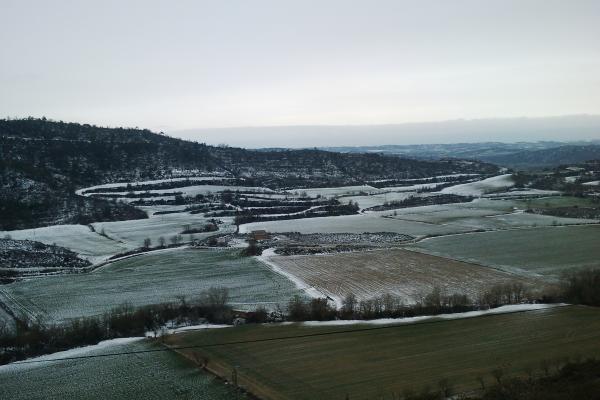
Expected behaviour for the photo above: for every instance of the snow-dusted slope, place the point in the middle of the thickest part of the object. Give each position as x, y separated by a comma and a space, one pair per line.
482, 187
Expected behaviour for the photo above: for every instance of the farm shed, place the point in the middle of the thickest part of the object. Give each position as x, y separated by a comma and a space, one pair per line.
259, 235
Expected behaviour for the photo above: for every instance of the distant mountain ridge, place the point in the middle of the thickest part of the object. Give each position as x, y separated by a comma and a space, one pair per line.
42, 163
522, 154
506, 130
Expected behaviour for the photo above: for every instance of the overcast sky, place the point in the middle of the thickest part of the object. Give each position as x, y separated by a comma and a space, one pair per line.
179, 65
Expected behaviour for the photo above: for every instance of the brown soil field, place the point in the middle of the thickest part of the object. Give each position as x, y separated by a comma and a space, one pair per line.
404, 273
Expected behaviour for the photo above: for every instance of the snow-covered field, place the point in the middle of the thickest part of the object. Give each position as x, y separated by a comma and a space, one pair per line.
338, 191
443, 219
149, 279
377, 199
145, 376
132, 233
122, 235
483, 218
78, 238
482, 187
191, 191
370, 222
125, 186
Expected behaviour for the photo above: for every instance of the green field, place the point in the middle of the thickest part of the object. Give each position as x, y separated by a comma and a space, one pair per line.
556, 201
376, 363
544, 251
149, 279
140, 376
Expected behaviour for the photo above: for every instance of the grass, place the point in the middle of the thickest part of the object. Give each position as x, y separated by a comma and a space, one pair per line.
142, 376
149, 279
376, 363
408, 274
545, 251
372, 222
557, 201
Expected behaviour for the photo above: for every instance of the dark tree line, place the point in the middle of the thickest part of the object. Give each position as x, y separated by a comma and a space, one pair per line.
32, 338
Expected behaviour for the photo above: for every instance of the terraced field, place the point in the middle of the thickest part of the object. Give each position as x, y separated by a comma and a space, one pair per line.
407, 274
541, 251
479, 188
372, 222
133, 233
379, 363
377, 199
78, 238
338, 191
147, 376
149, 279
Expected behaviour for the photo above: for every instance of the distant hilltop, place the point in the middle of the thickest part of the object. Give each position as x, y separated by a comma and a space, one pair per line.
504, 130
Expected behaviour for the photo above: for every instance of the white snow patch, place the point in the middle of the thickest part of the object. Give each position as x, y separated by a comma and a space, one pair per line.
482, 187
76, 352
151, 182
187, 329
525, 192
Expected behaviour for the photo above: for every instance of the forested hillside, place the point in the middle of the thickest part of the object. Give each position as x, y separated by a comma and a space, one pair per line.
43, 162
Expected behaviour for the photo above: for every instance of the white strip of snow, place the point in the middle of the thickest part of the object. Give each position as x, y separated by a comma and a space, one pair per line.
469, 314
151, 182
78, 351
187, 329
482, 187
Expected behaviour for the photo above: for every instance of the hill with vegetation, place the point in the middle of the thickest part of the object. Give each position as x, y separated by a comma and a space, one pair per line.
43, 162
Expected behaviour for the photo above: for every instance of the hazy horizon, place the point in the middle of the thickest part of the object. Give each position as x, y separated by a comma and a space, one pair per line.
203, 65
508, 130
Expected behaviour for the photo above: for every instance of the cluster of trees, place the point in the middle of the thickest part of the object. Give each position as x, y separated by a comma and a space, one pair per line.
329, 210
570, 211
558, 380
253, 249
555, 180
450, 180
32, 338
415, 201
391, 306
175, 240
210, 227
582, 287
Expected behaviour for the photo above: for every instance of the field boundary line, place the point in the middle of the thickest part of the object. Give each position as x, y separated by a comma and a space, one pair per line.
433, 320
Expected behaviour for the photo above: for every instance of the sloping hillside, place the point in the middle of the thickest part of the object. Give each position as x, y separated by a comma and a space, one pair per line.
568, 154
43, 162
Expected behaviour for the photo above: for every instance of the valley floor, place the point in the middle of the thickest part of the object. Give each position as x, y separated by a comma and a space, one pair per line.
365, 362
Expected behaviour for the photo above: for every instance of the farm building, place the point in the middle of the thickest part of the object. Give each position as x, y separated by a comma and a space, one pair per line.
259, 235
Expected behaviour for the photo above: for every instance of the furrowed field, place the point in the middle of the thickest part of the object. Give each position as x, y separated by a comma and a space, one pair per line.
407, 274
371, 364
540, 251
158, 375
151, 278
